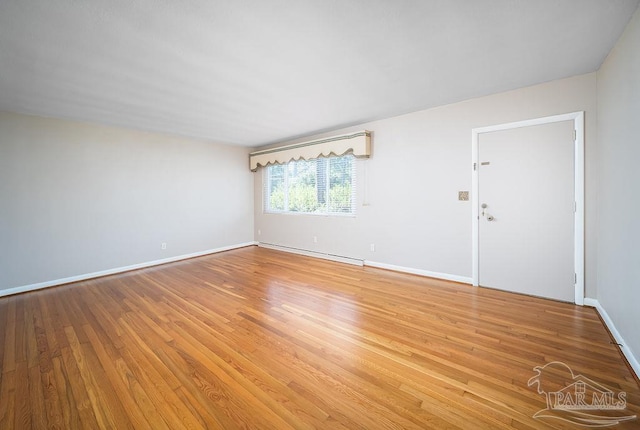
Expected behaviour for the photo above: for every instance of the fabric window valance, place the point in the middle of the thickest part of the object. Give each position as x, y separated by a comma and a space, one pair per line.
358, 143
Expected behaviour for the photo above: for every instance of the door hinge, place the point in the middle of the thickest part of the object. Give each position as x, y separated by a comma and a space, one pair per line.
474, 166
575, 278
575, 135
575, 207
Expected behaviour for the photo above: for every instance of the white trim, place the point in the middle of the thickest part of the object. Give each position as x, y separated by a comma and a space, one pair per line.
578, 228
77, 278
322, 255
578, 119
445, 276
591, 302
635, 365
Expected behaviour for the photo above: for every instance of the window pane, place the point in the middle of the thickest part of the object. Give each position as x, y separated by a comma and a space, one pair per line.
323, 186
275, 188
340, 191
302, 186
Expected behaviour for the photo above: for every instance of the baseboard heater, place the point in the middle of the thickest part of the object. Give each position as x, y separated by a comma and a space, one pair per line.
323, 255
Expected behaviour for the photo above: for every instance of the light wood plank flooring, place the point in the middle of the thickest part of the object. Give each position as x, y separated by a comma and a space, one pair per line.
260, 339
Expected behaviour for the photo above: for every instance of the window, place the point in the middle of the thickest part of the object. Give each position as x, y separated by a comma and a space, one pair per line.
323, 186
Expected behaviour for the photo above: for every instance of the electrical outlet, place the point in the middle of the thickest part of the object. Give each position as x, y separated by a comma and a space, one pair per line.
259, 232
373, 247
315, 239
163, 245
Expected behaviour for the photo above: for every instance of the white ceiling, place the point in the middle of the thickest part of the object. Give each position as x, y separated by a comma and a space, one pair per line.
252, 72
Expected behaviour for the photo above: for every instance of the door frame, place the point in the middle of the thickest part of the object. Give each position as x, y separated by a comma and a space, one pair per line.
578, 220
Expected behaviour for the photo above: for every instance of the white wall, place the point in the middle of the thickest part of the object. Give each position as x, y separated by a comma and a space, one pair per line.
419, 163
78, 198
619, 177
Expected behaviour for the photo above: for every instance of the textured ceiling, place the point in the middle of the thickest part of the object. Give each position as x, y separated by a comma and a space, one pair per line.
255, 72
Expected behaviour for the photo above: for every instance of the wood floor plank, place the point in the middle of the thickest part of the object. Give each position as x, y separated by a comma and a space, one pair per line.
109, 362
7, 371
224, 382
78, 392
159, 390
68, 405
49, 318
19, 346
207, 412
100, 405
256, 338
22, 404
8, 399
40, 416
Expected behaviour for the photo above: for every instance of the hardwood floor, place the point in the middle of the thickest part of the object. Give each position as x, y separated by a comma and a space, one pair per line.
260, 339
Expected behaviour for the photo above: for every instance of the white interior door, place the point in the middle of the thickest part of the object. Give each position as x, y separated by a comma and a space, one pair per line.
526, 198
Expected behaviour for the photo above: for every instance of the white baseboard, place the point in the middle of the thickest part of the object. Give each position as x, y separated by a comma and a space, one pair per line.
616, 334
445, 276
337, 258
47, 284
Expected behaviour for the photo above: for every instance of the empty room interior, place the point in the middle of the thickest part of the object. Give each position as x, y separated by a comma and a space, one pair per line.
319, 214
